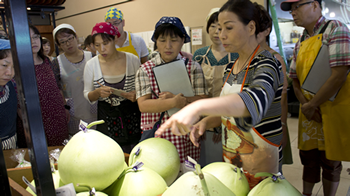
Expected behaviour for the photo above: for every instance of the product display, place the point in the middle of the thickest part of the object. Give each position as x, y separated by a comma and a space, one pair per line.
90, 158
137, 180
230, 175
95, 165
159, 155
274, 185
197, 183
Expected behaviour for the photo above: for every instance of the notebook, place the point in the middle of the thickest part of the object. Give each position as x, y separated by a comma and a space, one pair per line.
319, 73
173, 77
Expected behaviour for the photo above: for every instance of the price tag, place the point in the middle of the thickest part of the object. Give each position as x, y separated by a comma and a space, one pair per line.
66, 190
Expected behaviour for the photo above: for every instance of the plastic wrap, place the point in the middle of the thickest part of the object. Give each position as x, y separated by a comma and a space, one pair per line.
18, 156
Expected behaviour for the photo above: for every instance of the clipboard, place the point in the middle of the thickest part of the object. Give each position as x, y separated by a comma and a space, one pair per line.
319, 73
173, 77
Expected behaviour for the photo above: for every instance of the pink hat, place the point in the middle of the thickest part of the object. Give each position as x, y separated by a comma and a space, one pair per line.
287, 5
105, 27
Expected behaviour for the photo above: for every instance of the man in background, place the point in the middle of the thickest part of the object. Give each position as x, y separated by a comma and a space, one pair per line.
127, 42
323, 132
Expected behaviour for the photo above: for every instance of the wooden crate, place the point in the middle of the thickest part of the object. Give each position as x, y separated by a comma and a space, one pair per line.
18, 187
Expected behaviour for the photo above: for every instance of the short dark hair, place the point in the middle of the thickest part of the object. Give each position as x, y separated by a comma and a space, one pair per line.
265, 18
106, 37
64, 30
45, 41
41, 51
245, 10
88, 40
168, 29
319, 2
213, 19
4, 53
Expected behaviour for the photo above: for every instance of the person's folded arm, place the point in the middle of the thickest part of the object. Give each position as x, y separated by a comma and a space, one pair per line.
195, 98
149, 105
329, 88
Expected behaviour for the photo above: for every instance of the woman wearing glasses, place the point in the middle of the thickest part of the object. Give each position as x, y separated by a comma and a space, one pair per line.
52, 102
70, 68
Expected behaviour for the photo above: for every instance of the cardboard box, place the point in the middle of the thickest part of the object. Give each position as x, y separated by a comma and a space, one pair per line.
18, 187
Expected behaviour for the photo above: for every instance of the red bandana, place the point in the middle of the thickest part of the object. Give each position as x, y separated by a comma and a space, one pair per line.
105, 27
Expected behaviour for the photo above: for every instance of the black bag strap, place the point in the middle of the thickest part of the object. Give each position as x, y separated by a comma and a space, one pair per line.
186, 61
322, 30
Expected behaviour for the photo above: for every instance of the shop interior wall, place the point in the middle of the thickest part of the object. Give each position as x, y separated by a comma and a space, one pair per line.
140, 15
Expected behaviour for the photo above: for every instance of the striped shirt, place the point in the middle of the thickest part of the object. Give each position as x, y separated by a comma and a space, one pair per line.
336, 36
261, 95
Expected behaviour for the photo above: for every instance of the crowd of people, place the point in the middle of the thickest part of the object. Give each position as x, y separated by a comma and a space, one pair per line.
238, 111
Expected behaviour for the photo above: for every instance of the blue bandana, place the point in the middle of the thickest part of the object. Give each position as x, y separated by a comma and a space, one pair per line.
4, 44
114, 13
174, 21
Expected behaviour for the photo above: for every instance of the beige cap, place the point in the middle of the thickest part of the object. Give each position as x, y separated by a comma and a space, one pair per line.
212, 11
62, 26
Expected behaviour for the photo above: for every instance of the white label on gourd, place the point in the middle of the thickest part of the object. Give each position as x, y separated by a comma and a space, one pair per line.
82, 126
66, 190
29, 184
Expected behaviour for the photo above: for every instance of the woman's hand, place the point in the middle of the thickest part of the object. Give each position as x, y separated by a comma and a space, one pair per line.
182, 121
180, 101
197, 131
166, 95
130, 95
104, 91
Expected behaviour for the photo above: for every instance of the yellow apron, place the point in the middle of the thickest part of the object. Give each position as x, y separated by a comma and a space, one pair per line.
130, 48
248, 150
213, 75
310, 134
334, 136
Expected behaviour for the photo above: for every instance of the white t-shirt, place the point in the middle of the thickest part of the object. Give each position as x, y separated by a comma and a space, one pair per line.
138, 43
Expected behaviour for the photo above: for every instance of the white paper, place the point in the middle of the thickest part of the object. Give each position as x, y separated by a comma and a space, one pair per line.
117, 91
197, 37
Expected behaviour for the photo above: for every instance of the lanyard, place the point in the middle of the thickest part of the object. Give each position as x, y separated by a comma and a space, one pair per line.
245, 76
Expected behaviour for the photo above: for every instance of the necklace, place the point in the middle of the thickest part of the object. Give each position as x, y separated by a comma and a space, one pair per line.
256, 50
244, 65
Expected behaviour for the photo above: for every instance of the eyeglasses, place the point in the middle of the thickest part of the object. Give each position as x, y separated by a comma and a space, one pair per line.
116, 23
296, 7
69, 40
35, 37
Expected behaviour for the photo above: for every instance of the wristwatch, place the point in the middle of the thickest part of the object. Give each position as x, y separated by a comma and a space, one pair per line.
67, 107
